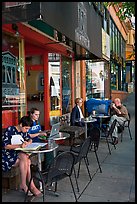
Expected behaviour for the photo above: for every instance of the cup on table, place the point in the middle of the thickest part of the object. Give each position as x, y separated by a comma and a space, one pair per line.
94, 112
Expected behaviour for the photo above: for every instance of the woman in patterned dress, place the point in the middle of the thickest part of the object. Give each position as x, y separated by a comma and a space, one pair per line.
11, 157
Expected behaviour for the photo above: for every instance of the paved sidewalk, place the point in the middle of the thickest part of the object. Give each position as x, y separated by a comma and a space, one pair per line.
116, 183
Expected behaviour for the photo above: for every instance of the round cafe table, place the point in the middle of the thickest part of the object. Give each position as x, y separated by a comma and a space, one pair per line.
101, 117
86, 121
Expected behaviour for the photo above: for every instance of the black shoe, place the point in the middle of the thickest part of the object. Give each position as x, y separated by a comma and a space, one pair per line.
115, 141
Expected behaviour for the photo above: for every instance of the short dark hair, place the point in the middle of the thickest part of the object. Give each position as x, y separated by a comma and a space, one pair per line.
77, 100
32, 110
26, 121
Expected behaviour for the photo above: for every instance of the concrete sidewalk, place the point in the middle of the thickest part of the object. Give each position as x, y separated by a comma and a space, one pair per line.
116, 183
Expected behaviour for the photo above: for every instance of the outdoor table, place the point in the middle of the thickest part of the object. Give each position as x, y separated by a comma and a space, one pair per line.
47, 148
101, 117
73, 131
50, 146
86, 121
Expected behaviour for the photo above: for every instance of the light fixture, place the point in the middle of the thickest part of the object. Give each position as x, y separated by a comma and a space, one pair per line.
15, 28
40, 17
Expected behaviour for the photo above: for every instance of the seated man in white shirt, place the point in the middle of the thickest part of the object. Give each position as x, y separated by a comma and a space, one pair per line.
76, 114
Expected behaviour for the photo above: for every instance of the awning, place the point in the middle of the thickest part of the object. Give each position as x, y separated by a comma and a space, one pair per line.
84, 30
13, 12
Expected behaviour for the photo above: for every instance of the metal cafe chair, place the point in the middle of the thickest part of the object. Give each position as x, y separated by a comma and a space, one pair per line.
61, 167
95, 139
108, 135
126, 124
81, 152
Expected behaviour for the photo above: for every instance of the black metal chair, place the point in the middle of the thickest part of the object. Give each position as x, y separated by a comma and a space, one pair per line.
108, 135
126, 124
95, 139
61, 167
81, 152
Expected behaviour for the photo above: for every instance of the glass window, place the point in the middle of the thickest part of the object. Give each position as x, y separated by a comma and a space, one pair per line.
111, 35
118, 43
66, 84
116, 37
13, 83
88, 81
54, 84
113, 76
94, 79
60, 86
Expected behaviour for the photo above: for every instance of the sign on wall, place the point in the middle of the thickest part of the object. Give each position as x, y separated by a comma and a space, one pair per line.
10, 84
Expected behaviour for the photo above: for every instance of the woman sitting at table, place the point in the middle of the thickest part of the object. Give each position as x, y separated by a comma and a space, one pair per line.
35, 130
76, 114
12, 157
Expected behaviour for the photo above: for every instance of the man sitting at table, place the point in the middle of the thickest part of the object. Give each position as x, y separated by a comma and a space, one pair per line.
76, 114
119, 112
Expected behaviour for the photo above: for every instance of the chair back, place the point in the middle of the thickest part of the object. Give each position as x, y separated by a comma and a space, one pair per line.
95, 137
129, 118
84, 148
60, 167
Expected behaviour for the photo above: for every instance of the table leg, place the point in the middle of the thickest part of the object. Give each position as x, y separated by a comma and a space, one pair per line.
40, 168
85, 130
39, 162
100, 127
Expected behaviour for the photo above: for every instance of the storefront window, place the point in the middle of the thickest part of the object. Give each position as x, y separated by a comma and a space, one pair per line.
94, 79
60, 86
66, 85
13, 83
113, 76
89, 84
54, 83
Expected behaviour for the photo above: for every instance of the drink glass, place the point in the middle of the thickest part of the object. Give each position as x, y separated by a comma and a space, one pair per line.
94, 112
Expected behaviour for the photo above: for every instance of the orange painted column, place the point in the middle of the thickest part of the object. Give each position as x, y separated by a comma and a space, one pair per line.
73, 81
83, 80
46, 92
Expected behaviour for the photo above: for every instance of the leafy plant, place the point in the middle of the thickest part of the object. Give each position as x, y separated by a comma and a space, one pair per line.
126, 9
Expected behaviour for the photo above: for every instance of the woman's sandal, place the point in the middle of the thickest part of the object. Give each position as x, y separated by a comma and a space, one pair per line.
36, 195
29, 192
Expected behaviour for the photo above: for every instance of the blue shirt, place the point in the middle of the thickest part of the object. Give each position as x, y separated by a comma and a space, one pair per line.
36, 128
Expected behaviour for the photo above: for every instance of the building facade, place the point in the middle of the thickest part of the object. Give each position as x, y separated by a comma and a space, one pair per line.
44, 59
53, 52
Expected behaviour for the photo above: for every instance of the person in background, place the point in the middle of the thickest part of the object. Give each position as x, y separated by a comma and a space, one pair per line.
35, 130
119, 112
77, 114
12, 157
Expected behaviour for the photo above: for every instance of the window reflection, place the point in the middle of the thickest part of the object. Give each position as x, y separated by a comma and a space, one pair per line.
66, 85
60, 86
13, 92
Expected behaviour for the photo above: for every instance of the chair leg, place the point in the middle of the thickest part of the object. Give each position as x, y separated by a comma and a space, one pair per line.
121, 136
55, 186
85, 159
108, 145
43, 187
26, 195
98, 161
113, 141
129, 133
78, 169
76, 179
73, 188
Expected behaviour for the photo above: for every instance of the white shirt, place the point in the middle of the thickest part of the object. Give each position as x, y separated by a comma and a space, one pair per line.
81, 114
